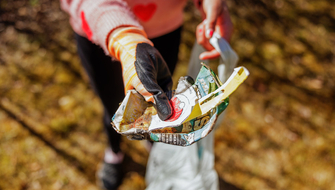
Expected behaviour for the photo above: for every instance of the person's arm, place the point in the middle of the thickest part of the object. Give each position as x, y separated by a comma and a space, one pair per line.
143, 67
96, 19
112, 25
216, 18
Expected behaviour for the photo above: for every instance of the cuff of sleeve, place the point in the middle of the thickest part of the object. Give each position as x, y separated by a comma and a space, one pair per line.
109, 21
125, 39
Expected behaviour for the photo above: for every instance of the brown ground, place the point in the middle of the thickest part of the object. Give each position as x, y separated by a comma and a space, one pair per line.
279, 129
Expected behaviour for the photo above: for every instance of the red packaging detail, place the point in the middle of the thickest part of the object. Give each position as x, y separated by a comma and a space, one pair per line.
177, 108
85, 26
145, 12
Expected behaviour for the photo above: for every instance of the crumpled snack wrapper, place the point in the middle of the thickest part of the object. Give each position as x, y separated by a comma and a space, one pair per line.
138, 119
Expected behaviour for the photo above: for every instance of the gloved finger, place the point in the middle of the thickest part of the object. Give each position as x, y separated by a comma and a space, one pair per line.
153, 93
155, 77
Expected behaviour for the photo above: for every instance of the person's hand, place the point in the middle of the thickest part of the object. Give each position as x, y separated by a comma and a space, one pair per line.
217, 19
143, 67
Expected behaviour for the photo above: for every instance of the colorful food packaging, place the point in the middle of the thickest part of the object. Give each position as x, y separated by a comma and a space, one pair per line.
195, 110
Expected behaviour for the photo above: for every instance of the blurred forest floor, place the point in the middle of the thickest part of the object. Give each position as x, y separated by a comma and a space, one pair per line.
279, 128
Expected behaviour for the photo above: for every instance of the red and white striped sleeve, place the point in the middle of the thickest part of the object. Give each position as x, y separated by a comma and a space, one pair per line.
96, 19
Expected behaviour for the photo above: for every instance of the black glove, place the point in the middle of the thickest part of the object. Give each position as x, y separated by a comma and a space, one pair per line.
143, 67
155, 76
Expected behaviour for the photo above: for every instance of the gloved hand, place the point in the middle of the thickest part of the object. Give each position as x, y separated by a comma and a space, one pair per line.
144, 69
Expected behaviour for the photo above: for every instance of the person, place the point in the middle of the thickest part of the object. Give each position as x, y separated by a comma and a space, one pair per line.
134, 44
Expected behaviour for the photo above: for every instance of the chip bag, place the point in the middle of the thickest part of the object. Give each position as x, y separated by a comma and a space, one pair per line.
196, 107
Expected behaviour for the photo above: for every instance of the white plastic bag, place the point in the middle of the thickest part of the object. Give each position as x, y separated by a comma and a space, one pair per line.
192, 167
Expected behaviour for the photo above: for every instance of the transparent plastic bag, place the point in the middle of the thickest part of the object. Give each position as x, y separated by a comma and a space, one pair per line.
191, 167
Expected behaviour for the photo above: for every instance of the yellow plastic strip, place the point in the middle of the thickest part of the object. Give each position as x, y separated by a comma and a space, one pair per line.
239, 75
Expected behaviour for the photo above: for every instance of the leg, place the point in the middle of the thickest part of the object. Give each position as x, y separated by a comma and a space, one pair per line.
106, 79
